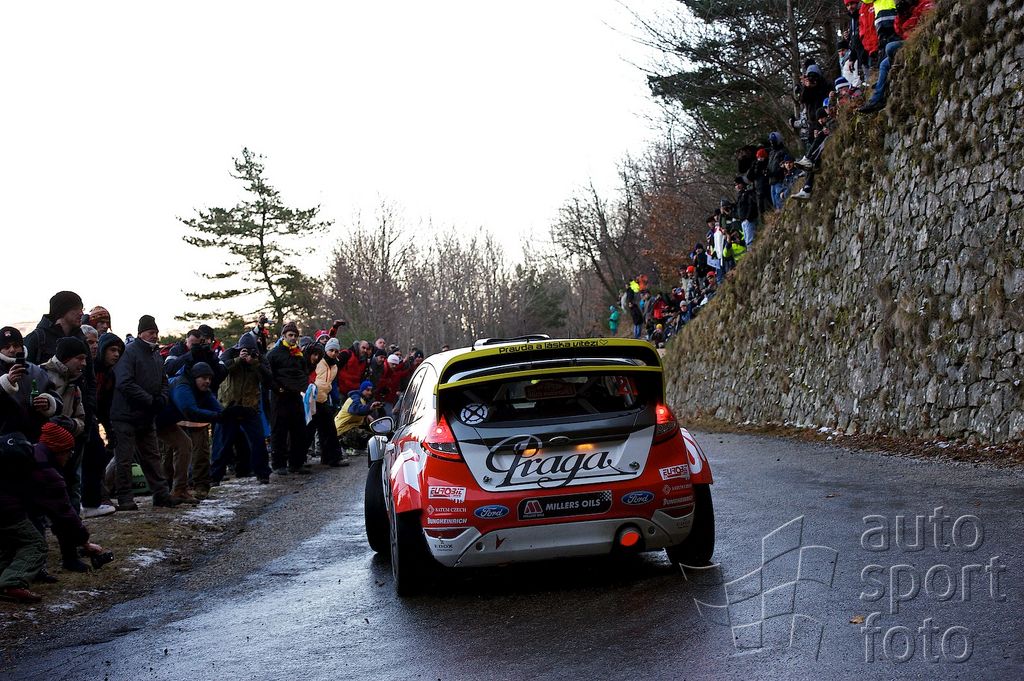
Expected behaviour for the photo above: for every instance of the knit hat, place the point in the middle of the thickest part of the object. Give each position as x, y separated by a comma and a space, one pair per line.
201, 369
332, 344
395, 359
711, 275
305, 341
56, 438
10, 336
366, 385
63, 302
813, 68
147, 323
691, 269
99, 314
762, 154
68, 347
319, 334
246, 342
841, 83
290, 326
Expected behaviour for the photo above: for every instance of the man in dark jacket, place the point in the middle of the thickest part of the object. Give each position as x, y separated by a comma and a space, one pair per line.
140, 394
288, 418
27, 398
241, 395
64, 319
746, 208
777, 152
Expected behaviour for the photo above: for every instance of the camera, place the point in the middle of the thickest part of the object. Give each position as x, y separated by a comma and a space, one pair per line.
98, 560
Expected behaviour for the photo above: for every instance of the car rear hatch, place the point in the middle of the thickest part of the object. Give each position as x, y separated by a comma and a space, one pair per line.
554, 423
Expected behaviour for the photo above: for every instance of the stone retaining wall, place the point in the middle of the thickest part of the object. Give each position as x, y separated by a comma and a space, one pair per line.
892, 302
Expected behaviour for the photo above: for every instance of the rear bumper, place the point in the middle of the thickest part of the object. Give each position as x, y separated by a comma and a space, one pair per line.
561, 540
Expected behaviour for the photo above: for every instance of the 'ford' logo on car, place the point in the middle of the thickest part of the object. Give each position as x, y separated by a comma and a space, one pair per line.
495, 511
638, 498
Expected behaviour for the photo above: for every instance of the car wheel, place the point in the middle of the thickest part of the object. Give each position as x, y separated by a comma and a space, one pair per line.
375, 513
410, 559
697, 548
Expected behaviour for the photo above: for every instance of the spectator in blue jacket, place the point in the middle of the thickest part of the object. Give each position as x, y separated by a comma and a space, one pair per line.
184, 428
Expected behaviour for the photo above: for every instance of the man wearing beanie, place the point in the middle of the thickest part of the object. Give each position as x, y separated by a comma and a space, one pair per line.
288, 418
326, 404
49, 495
98, 318
65, 372
140, 393
353, 416
27, 399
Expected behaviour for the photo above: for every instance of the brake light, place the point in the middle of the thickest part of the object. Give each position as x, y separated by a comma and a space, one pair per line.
665, 424
440, 441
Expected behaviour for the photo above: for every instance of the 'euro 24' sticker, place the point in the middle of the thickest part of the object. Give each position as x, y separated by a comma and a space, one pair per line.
473, 414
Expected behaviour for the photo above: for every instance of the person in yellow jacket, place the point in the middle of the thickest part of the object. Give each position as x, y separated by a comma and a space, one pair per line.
885, 21
353, 416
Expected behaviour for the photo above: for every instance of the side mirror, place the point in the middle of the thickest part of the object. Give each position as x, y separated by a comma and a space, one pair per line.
383, 426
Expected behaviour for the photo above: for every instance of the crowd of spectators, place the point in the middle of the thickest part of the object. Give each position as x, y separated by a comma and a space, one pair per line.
766, 172
91, 422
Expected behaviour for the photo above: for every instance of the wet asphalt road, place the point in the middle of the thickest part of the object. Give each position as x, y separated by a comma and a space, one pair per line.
299, 595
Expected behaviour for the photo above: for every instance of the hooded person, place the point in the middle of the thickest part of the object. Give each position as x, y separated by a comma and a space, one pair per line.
290, 373
27, 398
97, 473
184, 426
140, 393
353, 415
241, 394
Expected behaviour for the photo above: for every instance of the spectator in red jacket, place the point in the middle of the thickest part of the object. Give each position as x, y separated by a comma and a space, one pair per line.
905, 25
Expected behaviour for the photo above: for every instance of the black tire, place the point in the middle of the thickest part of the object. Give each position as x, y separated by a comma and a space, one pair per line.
375, 513
410, 557
696, 549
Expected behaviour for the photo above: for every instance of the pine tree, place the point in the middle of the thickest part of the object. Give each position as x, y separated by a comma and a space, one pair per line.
256, 234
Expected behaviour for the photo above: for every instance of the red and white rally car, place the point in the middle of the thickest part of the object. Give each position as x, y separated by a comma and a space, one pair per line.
530, 448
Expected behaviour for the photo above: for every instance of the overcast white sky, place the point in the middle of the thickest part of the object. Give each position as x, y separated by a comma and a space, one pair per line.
119, 116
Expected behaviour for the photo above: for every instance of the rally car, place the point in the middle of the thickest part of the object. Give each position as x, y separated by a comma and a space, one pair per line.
528, 449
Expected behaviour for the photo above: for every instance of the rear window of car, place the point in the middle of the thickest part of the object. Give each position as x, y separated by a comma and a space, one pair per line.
562, 396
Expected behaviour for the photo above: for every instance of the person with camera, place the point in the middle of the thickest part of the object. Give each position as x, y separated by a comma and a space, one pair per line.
140, 393
241, 393
27, 399
197, 347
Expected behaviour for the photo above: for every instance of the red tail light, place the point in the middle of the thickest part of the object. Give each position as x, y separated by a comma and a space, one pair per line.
665, 424
440, 442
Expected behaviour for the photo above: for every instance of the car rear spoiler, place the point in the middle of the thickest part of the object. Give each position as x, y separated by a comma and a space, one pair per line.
515, 357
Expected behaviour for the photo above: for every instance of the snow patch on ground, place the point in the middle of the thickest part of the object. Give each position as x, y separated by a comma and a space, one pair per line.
222, 503
145, 557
